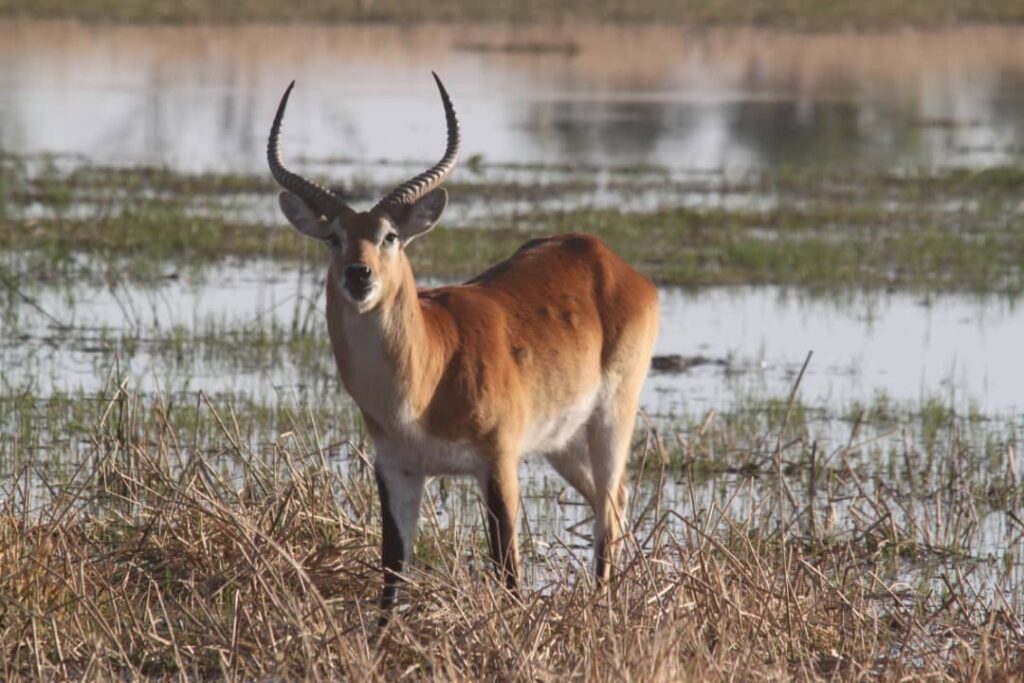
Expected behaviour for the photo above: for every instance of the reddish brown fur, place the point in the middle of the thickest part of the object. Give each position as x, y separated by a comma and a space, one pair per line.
523, 338
472, 368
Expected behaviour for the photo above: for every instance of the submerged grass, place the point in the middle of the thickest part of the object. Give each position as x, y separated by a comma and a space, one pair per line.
152, 557
926, 231
674, 247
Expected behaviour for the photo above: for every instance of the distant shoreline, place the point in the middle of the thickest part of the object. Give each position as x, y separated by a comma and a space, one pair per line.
799, 15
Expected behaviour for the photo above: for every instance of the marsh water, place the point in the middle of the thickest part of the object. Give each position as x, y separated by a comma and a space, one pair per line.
733, 342
593, 98
587, 96
202, 97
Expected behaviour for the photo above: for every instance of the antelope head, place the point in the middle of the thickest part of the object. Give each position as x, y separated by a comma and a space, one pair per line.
368, 260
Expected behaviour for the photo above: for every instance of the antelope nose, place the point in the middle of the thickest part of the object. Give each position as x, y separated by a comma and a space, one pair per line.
357, 275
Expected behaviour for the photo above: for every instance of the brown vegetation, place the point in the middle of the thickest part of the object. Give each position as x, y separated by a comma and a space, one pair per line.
783, 13
157, 558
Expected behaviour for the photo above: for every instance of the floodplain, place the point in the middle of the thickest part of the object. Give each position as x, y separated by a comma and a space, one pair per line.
827, 474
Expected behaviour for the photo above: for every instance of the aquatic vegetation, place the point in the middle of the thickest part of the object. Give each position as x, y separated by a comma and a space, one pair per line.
201, 503
866, 231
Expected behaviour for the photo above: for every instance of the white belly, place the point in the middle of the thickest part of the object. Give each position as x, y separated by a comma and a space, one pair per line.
552, 433
413, 450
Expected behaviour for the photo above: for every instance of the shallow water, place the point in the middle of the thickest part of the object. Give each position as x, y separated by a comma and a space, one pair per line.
203, 97
958, 349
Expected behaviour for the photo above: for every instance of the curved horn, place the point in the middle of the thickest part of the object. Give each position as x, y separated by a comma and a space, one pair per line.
317, 196
411, 190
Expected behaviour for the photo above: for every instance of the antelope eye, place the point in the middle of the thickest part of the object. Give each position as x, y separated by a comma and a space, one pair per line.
391, 239
333, 241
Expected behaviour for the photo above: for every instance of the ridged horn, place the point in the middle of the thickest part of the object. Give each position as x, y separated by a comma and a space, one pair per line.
317, 196
409, 192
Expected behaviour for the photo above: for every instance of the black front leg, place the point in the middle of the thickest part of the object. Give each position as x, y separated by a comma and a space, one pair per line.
501, 496
392, 551
400, 494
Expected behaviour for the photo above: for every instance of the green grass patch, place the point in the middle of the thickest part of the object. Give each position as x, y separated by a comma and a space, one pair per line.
941, 231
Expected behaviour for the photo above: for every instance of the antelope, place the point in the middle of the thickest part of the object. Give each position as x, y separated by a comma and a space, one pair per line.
544, 353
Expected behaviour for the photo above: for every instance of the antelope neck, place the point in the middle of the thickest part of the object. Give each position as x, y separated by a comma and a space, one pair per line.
394, 354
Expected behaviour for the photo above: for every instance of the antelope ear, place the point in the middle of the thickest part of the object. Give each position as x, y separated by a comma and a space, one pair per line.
422, 216
304, 219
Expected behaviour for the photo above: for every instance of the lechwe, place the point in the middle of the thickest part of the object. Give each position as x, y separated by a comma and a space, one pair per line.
542, 353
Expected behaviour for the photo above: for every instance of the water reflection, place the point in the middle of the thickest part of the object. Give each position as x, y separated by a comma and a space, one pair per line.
603, 132
958, 350
201, 97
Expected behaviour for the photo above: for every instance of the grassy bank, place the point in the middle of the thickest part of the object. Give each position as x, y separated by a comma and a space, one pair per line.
820, 231
789, 14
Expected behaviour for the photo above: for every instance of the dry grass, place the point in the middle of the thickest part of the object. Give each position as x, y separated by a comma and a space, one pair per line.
161, 557
788, 14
